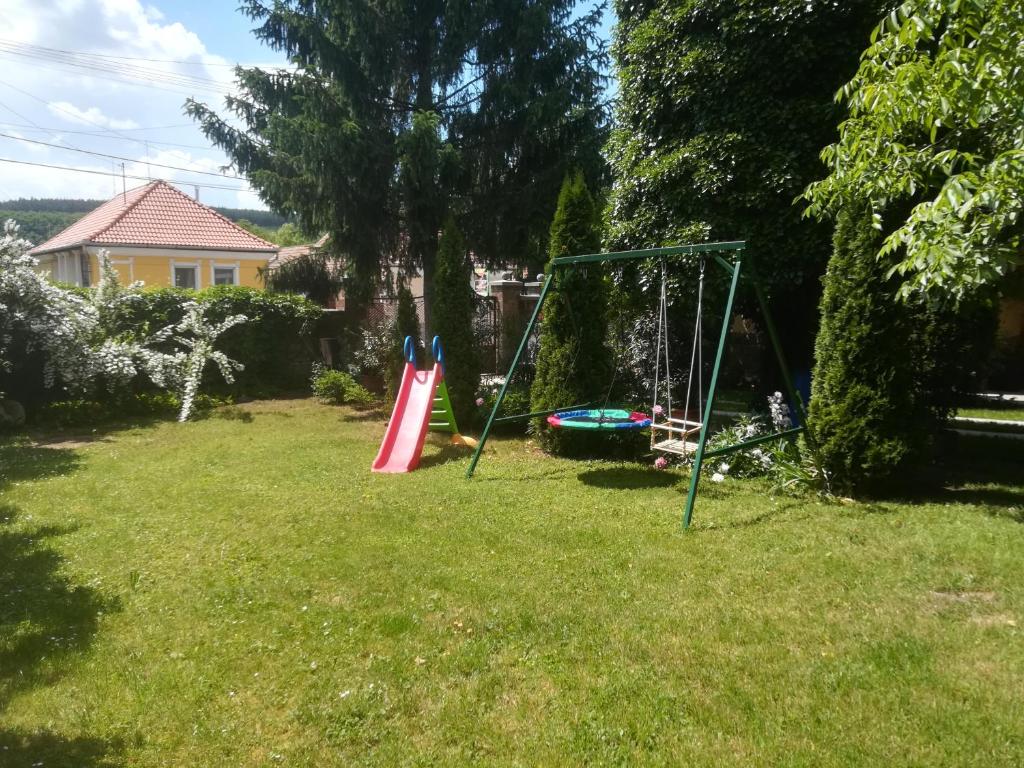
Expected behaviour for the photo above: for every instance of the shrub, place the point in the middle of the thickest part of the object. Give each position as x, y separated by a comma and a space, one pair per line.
573, 362
339, 388
517, 400
452, 316
84, 412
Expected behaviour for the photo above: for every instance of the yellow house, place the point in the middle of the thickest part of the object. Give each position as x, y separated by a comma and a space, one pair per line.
158, 235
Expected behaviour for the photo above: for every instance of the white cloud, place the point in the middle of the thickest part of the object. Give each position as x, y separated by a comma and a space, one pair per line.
93, 116
109, 103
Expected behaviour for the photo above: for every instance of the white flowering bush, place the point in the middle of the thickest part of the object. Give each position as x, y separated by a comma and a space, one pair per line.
761, 459
74, 332
790, 464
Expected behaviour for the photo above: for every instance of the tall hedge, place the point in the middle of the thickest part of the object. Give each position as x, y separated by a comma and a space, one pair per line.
277, 346
722, 112
452, 320
574, 364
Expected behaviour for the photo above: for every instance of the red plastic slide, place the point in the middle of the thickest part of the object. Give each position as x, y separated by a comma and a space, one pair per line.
403, 441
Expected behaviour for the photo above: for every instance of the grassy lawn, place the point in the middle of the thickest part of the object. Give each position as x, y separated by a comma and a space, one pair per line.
245, 592
1005, 413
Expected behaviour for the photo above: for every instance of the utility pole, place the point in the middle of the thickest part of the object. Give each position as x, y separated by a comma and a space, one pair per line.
124, 186
149, 172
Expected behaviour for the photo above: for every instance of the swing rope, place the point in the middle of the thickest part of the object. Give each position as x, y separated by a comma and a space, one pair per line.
696, 365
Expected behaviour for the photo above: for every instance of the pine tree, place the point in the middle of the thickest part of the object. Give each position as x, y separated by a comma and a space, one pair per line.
573, 363
454, 309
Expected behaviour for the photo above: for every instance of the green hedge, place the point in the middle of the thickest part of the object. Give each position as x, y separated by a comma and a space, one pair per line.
278, 346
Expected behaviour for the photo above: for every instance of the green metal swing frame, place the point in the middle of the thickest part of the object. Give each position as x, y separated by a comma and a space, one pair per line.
729, 256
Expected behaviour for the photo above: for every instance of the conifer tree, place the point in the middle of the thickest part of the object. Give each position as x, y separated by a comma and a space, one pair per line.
573, 363
392, 114
454, 309
407, 323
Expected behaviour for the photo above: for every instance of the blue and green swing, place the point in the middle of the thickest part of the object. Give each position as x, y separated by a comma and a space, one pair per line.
671, 432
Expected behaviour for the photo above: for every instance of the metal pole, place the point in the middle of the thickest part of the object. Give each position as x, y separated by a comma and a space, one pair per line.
511, 371
698, 459
773, 336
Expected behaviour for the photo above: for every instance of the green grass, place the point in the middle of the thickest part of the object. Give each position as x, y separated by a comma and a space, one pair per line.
1007, 414
245, 592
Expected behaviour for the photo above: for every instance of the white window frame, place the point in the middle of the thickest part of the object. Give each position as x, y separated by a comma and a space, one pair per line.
215, 266
175, 265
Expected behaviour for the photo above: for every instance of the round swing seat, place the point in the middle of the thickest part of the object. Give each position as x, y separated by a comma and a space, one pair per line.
599, 418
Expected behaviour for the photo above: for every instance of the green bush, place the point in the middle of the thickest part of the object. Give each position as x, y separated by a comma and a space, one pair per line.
277, 345
574, 363
452, 317
86, 412
517, 400
339, 388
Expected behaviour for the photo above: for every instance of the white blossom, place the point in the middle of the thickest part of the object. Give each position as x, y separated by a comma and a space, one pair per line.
77, 337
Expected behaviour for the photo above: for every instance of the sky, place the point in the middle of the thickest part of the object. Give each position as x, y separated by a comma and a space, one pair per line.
110, 77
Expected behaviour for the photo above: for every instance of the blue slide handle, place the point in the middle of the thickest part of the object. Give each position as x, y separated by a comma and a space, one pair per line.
438, 353
410, 351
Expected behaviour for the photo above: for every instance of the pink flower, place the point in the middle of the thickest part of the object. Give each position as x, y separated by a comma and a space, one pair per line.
660, 463
479, 401
658, 410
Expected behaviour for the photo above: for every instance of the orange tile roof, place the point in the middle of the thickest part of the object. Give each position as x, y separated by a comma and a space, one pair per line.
156, 215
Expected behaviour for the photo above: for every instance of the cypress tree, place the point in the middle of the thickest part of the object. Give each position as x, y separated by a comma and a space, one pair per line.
869, 415
573, 363
452, 320
407, 323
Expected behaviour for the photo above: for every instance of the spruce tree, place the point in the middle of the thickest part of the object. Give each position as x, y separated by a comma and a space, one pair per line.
454, 308
574, 363
389, 115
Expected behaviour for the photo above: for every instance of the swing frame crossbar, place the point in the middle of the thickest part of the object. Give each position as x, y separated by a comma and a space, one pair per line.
734, 268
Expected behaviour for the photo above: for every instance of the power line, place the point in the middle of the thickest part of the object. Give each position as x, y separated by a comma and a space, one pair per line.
118, 157
204, 185
58, 107
99, 135
91, 61
142, 58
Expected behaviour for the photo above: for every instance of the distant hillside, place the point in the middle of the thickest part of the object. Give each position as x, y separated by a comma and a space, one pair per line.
42, 218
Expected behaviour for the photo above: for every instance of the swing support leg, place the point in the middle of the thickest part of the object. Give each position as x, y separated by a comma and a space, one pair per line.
698, 459
511, 371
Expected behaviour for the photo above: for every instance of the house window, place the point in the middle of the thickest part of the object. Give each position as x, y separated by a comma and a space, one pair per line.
85, 268
225, 276
186, 277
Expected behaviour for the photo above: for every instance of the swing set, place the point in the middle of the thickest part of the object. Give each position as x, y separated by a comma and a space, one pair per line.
682, 433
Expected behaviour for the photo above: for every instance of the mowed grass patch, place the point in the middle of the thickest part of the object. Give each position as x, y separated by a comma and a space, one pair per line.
1003, 414
244, 591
